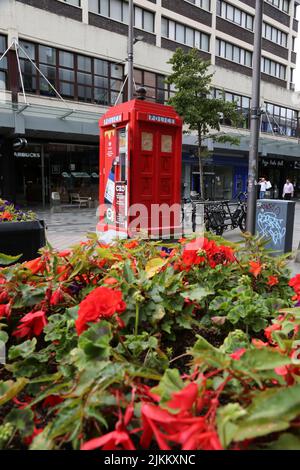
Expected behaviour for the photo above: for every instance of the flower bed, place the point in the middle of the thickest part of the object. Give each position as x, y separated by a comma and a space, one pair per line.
11, 213
21, 233
138, 346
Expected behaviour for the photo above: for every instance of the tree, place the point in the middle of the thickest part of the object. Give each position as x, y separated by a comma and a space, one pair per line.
194, 102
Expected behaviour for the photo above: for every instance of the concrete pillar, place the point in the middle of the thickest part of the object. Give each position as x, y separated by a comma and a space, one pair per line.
8, 170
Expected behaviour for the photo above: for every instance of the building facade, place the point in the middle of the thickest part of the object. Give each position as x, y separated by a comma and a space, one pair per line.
66, 64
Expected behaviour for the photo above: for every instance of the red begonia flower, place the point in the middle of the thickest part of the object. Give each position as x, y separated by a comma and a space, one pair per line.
101, 303
31, 324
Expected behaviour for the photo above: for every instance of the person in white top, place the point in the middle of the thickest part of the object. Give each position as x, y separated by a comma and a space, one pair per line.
263, 188
288, 190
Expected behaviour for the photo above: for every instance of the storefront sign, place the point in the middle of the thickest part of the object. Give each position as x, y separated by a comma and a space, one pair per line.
27, 155
272, 163
297, 165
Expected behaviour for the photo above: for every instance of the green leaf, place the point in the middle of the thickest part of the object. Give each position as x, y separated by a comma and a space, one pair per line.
271, 411
10, 389
262, 359
22, 419
6, 260
170, 383
154, 266
226, 417
42, 441
286, 441
258, 428
292, 311
205, 354
95, 342
105, 253
23, 350
3, 337
197, 294
128, 273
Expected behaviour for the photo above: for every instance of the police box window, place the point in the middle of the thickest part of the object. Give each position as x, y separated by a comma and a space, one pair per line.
147, 141
166, 143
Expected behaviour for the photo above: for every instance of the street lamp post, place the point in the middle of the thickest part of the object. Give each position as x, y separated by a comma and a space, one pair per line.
130, 49
255, 119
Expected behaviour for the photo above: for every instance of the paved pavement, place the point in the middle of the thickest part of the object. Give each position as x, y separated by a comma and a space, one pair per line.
71, 224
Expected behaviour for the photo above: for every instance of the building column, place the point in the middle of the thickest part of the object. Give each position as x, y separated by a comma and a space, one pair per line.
8, 170
85, 11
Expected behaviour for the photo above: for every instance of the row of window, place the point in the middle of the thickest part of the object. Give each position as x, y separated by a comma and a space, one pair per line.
230, 13
283, 5
275, 119
273, 68
275, 35
99, 81
185, 35
237, 54
79, 77
204, 4
119, 10
74, 76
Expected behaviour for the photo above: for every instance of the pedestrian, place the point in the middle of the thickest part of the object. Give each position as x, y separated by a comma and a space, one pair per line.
263, 188
288, 190
268, 187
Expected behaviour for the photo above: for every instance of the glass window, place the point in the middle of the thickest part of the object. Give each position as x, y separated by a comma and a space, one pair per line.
101, 67
138, 18
67, 89
116, 71
172, 30
94, 6
29, 49
189, 37
66, 59
236, 54
104, 7
205, 42
230, 12
148, 21
101, 82
67, 75
164, 27
47, 55
84, 78
115, 10
2, 81
180, 33
84, 63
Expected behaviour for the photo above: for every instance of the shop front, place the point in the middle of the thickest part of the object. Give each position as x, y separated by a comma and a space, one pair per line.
277, 169
64, 168
225, 177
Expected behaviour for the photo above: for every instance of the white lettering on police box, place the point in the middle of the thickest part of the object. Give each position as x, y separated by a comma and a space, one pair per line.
113, 119
165, 120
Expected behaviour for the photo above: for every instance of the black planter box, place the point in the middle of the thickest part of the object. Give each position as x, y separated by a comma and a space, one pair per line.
24, 238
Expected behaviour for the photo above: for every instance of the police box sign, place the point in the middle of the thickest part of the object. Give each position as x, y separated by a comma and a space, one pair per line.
112, 120
162, 119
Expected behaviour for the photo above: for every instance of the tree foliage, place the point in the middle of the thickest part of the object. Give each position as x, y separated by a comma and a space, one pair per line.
195, 103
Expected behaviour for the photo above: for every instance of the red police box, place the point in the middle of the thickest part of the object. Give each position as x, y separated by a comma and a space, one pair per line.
140, 171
